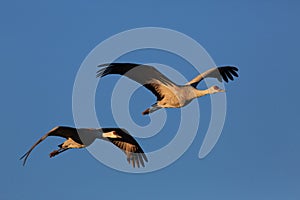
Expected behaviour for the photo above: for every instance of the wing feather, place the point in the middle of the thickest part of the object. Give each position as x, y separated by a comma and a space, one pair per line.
145, 75
220, 73
130, 147
60, 131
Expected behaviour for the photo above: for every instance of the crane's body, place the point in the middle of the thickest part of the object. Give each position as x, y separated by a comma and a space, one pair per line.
169, 94
83, 137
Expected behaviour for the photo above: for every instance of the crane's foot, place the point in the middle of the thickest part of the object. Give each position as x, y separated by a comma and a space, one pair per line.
54, 153
153, 108
146, 112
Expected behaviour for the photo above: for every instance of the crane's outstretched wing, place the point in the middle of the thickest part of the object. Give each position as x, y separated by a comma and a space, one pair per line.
60, 131
220, 73
130, 147
145, 75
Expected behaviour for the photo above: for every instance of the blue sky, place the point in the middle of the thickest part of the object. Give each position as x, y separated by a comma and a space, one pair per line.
43, 44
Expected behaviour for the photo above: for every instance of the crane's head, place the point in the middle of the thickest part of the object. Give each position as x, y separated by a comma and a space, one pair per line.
111, 134
215, 89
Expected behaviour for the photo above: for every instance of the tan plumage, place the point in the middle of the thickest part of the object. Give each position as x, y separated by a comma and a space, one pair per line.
83, 137
169, 94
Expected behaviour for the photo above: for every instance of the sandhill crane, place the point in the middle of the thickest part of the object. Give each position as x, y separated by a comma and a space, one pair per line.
169, 94
82, 137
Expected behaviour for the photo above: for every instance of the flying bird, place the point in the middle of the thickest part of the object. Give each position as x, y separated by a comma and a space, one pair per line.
83, 137
168, 93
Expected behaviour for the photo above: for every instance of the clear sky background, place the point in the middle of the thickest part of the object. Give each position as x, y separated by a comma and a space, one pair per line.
43, 43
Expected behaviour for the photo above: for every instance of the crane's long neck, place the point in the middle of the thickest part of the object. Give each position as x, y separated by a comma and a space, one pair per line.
211, 90
200, 93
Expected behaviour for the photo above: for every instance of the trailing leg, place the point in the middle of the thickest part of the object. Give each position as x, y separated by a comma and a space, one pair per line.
56, 152
153, 108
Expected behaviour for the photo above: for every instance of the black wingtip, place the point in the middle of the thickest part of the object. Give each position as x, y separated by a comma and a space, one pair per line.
228, 73
25, 158
234, 68
145, 157
104, 65
22, 157
101, 72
